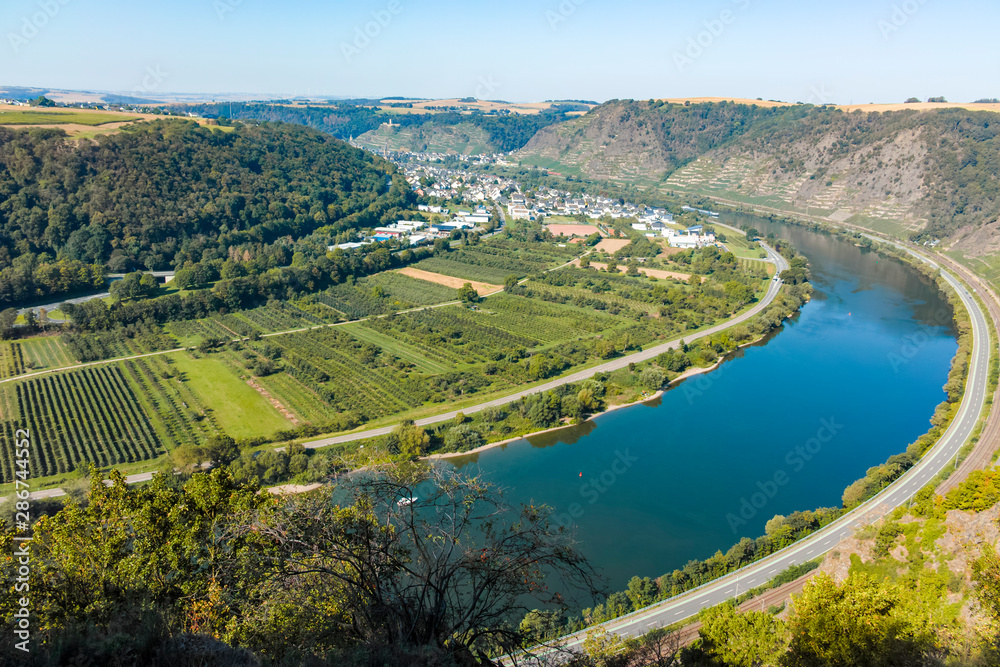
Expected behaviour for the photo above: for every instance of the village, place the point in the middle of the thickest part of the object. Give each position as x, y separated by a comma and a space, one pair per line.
481, 201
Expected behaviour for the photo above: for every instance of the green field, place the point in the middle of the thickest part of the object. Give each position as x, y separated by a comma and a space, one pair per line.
240, 411
54, 117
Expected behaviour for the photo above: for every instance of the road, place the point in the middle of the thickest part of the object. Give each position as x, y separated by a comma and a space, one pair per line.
49, 307
774, 286
937, 459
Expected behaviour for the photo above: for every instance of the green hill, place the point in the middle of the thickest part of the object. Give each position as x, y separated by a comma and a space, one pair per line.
156, 195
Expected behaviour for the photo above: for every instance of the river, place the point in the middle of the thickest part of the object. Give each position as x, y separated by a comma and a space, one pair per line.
783, 425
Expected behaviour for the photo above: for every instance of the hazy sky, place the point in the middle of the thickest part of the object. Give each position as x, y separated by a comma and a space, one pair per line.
876, 51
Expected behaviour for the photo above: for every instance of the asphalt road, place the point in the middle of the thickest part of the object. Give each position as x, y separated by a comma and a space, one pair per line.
774, 286
943, 454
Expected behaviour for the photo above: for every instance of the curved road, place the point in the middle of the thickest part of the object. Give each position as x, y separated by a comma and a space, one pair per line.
774, 286
937, 459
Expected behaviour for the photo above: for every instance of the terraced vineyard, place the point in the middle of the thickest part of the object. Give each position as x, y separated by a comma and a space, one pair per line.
78, 417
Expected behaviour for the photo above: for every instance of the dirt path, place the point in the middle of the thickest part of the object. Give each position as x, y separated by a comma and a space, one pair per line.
278, 405
449, 281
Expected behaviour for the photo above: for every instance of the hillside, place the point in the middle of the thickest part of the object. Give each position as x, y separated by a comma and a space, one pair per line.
447, 127
155, 195
462, 138
929, 174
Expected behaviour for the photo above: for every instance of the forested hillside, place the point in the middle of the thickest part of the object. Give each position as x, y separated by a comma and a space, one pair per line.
157, 195
929, 174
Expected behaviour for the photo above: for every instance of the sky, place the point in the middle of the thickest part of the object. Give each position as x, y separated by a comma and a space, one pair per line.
821, 52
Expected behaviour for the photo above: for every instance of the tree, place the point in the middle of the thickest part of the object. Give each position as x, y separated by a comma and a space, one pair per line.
510, 283
468, 294
736, 639
134, 286
641, 592
443, 573
585, 262
463, 438
738, 292
221, 450
8, 317
862, 622
652, 378
113, 574
411, 441
986, 577
912, 100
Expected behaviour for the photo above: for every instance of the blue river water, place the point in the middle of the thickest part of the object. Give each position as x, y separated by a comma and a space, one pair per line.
783, 425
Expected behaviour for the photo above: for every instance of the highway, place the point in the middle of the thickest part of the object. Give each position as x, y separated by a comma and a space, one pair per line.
943, 454
774, 286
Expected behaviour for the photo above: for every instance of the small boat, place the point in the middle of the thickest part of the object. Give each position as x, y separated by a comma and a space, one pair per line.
403, 502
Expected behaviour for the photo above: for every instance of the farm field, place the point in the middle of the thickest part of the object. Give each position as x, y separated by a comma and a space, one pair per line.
240, 411
383, 293
492, 262
572, 229
448, 281
611, 246
77, 418
654, 273
59, 117
46, 352
263, 320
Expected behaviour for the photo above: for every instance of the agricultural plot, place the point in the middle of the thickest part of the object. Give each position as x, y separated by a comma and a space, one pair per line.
239, 410
54, 117
492, 263
604, 301
177, 414
542, 322
266, 319
11, 360
79, 417
298, 397
454, 334
383, 293
346, 374
45, 352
